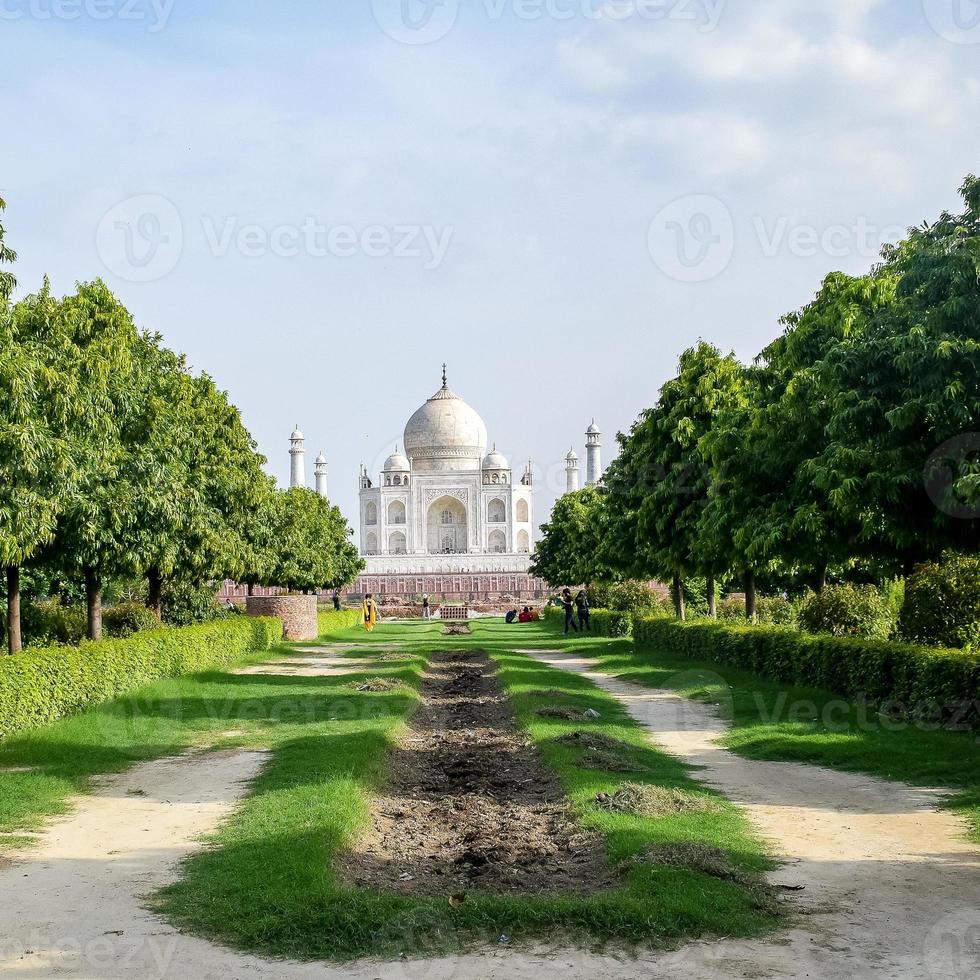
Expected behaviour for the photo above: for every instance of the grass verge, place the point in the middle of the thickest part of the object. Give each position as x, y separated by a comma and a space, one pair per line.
781, 722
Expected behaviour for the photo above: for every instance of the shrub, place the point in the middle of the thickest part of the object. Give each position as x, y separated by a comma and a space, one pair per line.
848, 610
942, 603
128, 618
636, 598
185, 604
46, 622
775, 610
40, 686
904, 678
605, 622
332, 620
731, 610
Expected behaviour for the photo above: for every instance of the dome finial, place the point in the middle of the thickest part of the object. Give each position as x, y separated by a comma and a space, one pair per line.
445, 379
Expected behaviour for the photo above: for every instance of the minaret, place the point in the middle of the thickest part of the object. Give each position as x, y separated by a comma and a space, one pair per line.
571, 471
320, 469
297, 452
593, 451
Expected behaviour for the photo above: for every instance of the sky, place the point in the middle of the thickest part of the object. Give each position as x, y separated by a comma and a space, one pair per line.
320, 203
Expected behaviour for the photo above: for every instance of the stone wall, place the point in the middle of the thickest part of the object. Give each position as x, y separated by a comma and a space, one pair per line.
297, 612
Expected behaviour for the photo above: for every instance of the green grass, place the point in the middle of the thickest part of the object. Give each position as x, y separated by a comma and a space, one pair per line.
267, 885
781, 722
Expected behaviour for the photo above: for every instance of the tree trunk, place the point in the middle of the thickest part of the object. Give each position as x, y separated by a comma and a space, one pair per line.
93, 601
679, 607
822, 577
14, 644
251, 589
750, 613
154, 598
712, 605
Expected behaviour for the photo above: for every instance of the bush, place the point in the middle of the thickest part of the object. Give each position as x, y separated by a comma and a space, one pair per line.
903, 678
185, 604
128, 618
332, 620
46, 622
771, 610
40, 686
848, 610
942, 603
636, 598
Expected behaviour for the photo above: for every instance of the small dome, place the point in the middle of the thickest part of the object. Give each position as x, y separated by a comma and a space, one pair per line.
495, 461
572, 456
321, 460
593, 430
297, 434
397, 462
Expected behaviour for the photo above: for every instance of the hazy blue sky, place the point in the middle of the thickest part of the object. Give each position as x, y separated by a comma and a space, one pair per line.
321, 202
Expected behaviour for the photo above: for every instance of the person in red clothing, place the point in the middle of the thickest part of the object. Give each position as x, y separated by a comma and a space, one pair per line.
525, 616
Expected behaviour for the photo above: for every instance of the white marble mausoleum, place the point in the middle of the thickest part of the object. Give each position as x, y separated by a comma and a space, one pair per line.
445, 506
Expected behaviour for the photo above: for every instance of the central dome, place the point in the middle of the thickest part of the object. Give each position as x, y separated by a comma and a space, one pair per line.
445, 434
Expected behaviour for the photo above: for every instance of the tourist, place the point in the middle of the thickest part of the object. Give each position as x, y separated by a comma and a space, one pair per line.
369, 612
568, 604
525, 616
582, 606
535, 615
336, 602
510, 617
426, 611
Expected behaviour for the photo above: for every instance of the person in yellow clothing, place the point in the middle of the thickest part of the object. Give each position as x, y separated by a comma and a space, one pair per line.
369, 613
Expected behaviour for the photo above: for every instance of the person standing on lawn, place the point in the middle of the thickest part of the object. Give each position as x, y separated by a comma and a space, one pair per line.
584, 616
369, 612
426, 611
568, 604
336, 602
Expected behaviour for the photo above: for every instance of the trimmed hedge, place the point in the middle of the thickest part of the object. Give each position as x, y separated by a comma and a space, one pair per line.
902, 678
605, 622
42, 685
332, 620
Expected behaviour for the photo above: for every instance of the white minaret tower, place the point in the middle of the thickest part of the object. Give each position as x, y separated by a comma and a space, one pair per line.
320, 469
593, 452
297, 452
571, 471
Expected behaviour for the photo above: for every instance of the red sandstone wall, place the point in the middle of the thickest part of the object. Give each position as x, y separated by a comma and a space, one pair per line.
297, 612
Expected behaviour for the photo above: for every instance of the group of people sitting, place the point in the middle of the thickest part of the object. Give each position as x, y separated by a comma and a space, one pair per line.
526, 615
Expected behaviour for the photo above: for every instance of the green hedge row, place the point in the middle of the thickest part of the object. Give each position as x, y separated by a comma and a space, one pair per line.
332, 620
604, 622
902, 678
41, 685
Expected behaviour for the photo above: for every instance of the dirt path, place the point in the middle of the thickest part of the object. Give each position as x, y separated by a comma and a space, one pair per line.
468, 804
892, 887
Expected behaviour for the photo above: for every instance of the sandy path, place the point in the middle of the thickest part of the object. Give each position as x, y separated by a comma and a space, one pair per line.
892, 887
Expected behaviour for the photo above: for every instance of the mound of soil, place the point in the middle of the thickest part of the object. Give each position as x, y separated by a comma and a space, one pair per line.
655, 801
468, 804
375, 685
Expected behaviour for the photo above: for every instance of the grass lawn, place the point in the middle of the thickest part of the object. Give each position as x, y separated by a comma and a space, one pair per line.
267, 884
801, 724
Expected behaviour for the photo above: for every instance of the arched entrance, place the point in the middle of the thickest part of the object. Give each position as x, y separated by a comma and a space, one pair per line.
446, 527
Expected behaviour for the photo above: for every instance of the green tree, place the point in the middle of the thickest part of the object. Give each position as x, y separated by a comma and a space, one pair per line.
39, 404
572, 550
313, 547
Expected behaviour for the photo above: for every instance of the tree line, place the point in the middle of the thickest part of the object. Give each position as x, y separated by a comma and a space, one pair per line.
117, 460
849, 448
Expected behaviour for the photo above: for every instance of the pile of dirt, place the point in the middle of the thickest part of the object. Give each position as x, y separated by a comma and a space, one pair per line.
375, 685
456, 629
656, 801
561, 714
468, 804
591, 740
608, 762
